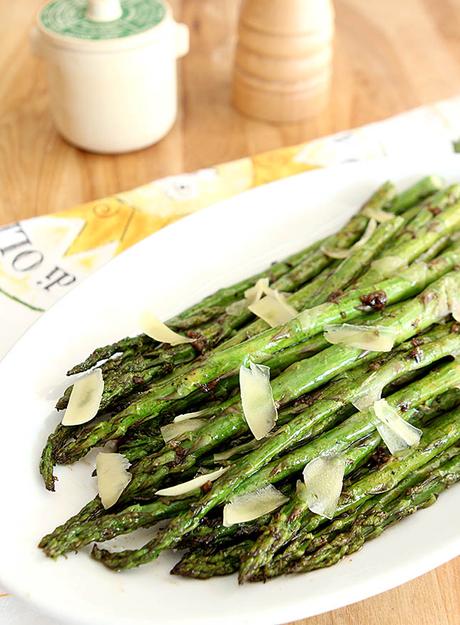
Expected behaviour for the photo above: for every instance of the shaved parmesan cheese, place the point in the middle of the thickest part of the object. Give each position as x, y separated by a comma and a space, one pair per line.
187, 487
159, 331
367, 394
269, 304
265, 302
85, 399
257, 399
175, 429
188, 415
251, 295
323, 478
370, 390
345, 253
273, 309
376, 213
370, 229
397, 434
337, 253
388, 265
112, 477
369, 338
254, 293
252, 505
448, 299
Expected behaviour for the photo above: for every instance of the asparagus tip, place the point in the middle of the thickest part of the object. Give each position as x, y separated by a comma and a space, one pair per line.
106, 557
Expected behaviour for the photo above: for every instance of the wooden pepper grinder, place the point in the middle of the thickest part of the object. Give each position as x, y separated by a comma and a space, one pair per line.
283, 58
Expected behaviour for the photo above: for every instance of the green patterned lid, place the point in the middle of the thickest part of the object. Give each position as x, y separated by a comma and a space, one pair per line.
69, 18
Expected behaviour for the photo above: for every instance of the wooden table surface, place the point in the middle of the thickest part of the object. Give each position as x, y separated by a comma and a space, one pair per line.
391, 55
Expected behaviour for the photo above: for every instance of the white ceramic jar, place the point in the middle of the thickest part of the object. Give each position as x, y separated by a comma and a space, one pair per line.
111, 70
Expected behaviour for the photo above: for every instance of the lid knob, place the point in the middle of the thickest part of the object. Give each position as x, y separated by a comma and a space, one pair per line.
103, 10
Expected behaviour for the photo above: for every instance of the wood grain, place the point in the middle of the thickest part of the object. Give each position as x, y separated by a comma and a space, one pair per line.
390, 56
